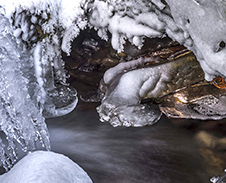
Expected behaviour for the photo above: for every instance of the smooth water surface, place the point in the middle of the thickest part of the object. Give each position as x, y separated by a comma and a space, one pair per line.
160, 153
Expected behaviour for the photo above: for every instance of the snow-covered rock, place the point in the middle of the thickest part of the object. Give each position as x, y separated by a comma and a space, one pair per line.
45, 167
199, 25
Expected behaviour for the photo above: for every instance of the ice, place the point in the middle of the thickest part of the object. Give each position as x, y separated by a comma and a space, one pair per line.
21, 118
45, 28
199, 25
45, 167
125, 13
126, 85
219, 179
121, 103
33, 33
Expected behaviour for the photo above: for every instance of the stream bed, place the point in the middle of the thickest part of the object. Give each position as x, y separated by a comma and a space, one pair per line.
160, 153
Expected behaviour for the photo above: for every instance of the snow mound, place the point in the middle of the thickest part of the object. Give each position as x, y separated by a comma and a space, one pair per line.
45, 167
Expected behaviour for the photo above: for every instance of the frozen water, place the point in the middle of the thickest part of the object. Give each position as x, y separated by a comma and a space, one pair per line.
45, 167
30, 66
32, 35
219, 179
205, 24
21, 118
115, 16
125, 86
199, 25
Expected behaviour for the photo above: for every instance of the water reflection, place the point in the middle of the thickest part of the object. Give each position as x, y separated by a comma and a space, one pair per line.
155, 154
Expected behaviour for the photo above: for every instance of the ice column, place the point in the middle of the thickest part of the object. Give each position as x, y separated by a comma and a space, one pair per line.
21, 118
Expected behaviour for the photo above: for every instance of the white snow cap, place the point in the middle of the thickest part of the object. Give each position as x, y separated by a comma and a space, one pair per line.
45, 167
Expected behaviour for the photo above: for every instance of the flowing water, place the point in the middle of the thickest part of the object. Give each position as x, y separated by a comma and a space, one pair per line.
162, 153
154, 154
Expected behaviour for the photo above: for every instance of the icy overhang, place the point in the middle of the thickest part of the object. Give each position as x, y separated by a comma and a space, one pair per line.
205, 22
200, 25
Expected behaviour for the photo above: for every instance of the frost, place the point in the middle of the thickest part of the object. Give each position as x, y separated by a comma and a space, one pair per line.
199, 25
124, 20
21, 118
45, 167
33, 34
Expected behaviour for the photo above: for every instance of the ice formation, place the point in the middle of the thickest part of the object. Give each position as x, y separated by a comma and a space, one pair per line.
34, 32
21, 118
199, 25
125, 87
33, 80
219, 179
45, 28
45, 167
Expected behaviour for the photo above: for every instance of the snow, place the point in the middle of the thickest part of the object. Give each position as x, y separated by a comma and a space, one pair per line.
200, 26
111, 73
206, 31
123, 25
45, 167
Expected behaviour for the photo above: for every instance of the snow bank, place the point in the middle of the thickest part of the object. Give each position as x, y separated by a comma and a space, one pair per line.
45, 167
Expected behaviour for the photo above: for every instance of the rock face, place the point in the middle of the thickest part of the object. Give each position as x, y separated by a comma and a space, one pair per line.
201, 101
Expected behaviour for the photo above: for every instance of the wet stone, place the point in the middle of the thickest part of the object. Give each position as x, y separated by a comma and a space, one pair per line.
201, 101
178, 97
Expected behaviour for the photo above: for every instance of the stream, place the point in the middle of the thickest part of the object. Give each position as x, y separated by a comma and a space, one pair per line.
160, 153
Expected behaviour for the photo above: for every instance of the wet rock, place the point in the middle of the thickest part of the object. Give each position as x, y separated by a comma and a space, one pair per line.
202, 101
183, 71
212, 148
125, 87
149, 45
208, 140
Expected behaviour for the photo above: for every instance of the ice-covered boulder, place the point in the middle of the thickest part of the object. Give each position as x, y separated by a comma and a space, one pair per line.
125, 88
45, 167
